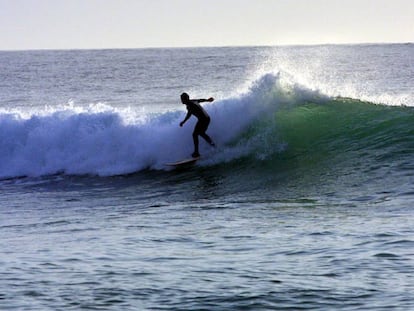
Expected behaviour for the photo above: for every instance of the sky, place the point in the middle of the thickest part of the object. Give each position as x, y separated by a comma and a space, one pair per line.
100, 24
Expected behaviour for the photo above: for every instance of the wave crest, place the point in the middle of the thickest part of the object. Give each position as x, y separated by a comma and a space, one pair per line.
271, 116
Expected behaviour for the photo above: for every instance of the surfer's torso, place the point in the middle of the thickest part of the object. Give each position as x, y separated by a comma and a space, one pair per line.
195, 109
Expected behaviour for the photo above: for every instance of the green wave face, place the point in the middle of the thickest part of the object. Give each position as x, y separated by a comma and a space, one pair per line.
330, 146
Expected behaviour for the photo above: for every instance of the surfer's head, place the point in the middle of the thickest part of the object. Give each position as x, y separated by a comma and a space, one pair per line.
185, 98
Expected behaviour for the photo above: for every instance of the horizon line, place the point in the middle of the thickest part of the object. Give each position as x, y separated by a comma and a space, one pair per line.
207, 46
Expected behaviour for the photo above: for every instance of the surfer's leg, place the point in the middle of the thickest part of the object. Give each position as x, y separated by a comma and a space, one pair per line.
195, 140
208, 139
202, 132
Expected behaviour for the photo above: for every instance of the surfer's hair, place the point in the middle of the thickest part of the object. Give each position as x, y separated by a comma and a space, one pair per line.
185, 97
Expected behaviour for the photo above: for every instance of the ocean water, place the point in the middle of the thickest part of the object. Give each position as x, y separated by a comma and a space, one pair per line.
305, 204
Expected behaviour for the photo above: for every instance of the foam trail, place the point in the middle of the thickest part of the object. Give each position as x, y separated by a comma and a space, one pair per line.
87, 143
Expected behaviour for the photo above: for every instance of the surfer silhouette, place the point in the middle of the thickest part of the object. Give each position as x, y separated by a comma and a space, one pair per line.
194, 108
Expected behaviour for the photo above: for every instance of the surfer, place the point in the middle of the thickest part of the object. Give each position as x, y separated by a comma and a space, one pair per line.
194, 108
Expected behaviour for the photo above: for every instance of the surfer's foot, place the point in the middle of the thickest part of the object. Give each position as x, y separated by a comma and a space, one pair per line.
212, 144
195, 155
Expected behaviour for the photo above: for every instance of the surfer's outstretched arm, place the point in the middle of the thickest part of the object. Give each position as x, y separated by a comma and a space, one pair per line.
202, 100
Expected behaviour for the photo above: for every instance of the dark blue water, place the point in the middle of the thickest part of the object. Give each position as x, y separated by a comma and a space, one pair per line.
306, 203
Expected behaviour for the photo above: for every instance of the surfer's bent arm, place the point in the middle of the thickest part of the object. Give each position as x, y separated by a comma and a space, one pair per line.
186, 118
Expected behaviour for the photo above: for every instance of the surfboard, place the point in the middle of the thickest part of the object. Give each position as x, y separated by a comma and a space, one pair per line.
183, 163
